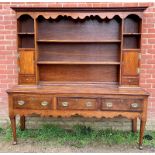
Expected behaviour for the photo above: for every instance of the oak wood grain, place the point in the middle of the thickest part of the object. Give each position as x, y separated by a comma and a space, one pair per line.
130, 63
26, 62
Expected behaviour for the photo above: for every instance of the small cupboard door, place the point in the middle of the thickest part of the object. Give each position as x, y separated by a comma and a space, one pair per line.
26, 62
26, 67
130, 63
130, 68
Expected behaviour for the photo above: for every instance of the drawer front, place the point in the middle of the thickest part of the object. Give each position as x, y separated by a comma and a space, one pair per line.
73, 103
27, 79
130, 81
32, 102
122, 104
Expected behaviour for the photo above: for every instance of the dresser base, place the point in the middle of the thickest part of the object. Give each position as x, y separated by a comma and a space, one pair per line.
88, 102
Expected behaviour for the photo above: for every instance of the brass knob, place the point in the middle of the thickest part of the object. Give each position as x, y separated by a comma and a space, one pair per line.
89, 104
21, 102
65, 104
32, 99
109, 104
121, 100
134, 105
44, 103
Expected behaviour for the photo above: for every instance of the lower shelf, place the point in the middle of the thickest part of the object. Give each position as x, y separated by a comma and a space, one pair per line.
70, 83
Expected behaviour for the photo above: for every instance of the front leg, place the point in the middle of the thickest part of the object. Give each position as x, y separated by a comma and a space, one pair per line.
142, 128
13, 126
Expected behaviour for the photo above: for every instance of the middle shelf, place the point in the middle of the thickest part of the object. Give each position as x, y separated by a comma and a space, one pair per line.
79, 62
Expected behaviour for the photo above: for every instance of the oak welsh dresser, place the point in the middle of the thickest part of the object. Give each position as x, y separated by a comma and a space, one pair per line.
79, 61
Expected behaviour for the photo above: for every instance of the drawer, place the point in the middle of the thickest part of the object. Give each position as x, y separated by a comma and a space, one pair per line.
122, 104
130, 81
27, 79
32, 102
75, 103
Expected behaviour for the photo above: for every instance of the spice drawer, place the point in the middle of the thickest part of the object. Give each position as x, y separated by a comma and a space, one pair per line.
130, 81
122, 104
73, 103
27, 79
32, 102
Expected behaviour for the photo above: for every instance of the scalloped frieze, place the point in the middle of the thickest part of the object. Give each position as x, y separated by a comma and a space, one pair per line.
79, 15
86, 114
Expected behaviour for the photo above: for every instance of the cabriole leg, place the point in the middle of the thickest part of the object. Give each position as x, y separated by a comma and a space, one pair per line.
22, 122
13, 126
134, 125
142, 128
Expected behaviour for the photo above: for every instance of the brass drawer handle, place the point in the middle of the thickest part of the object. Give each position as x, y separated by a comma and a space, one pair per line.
89, 104
134, 105
65, 104
21, 102
109, 104
44, 103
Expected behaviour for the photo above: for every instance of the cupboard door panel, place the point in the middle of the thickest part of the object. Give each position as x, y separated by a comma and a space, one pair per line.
130, 63
26, 62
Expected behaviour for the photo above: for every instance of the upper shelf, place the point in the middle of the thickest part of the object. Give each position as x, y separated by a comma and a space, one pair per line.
128, 34
131, 49
26, 49
79, 41
26, 33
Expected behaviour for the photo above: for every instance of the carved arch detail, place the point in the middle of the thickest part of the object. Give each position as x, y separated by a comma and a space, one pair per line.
133, 15
25, 14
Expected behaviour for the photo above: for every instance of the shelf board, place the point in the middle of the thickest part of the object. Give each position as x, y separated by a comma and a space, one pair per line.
57, 83
78, 62
130, 34
131, 49
26, 33
79, 41
26, 49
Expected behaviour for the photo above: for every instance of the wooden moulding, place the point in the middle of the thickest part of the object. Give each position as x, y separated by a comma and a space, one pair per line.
105, 9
